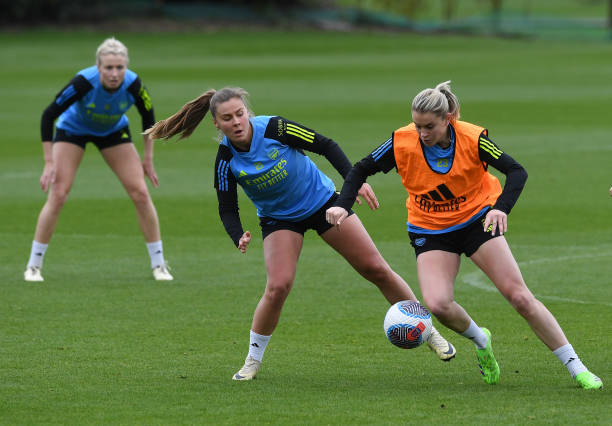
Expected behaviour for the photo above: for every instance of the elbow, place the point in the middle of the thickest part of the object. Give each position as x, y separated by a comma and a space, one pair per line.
524, 175
48, 115
519, 174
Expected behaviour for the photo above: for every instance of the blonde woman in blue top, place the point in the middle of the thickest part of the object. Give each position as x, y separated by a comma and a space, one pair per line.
265, 156
91, 108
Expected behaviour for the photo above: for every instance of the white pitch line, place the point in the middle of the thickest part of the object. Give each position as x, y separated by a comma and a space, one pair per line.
477, 279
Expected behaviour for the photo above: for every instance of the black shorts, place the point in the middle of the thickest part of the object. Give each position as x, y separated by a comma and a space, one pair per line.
116, 138
466, 240
315, 221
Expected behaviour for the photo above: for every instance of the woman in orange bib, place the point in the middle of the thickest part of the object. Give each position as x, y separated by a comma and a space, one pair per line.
456, 206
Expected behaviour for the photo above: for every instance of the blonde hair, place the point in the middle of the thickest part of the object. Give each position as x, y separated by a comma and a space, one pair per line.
439, 100
111, 46
185, 121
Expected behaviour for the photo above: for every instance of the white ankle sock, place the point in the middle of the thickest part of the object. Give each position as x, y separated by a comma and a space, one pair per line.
257, 345
476, 335
568, 357
156, 253
37, 254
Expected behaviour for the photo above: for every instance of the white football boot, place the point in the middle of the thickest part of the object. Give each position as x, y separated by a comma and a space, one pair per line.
249, 369
161, 273
32, 273
441, 346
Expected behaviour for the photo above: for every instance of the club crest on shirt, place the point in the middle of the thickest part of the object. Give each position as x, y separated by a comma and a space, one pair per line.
272, 154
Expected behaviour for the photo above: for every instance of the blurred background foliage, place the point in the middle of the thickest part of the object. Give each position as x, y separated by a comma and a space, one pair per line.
539, 18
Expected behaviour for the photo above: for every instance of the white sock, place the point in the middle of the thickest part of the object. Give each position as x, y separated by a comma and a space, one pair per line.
37, 254
257, 345
156, 253
568, 357
476, 335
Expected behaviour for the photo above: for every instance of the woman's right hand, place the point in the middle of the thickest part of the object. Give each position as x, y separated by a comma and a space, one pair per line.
335, 215
48, 176
244, 242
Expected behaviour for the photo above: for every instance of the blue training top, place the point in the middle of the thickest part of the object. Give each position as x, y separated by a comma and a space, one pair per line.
280, 180
98, 112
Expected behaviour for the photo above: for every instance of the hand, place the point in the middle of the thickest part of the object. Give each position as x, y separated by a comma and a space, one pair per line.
244, 242
496, 220
610, 191
368, 195
336, 215
48, 176
149, 171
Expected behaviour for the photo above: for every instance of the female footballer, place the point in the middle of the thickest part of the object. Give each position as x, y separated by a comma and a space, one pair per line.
92, 108
265, 155
456, 206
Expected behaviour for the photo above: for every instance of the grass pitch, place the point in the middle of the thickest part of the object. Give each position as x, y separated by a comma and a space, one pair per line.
101, 342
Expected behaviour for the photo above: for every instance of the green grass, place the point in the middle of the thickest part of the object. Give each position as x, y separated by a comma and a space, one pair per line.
101, 342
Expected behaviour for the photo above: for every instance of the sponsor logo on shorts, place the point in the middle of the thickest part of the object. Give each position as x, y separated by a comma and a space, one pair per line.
420, 242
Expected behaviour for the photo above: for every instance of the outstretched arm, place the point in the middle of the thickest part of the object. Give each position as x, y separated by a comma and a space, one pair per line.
303, 138
382, 159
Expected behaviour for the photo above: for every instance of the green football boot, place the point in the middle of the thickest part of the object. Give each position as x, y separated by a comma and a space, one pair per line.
486, 361
588, 380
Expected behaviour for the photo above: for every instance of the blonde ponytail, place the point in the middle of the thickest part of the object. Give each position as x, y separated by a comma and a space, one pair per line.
440, 101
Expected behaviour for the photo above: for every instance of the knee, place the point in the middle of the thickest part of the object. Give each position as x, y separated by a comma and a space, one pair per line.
523, 302
376, 270
139, 195
57, 198
438, 307
277, 290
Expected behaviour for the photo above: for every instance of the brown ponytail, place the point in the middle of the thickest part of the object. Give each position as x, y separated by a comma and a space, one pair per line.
185, 121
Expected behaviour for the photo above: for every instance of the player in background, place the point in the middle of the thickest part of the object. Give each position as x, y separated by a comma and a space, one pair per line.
92, 108
456, 206
265, 155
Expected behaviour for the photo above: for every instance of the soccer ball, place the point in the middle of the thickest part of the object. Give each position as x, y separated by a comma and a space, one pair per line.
407, 324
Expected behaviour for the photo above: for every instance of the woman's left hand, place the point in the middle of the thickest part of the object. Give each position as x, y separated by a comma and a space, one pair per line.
496, 220
368, 195
149, 171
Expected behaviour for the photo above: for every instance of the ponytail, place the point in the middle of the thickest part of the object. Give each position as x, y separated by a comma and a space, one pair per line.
440, 101
185, 121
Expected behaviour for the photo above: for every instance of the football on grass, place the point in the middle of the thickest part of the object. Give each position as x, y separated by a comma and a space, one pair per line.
407, 324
